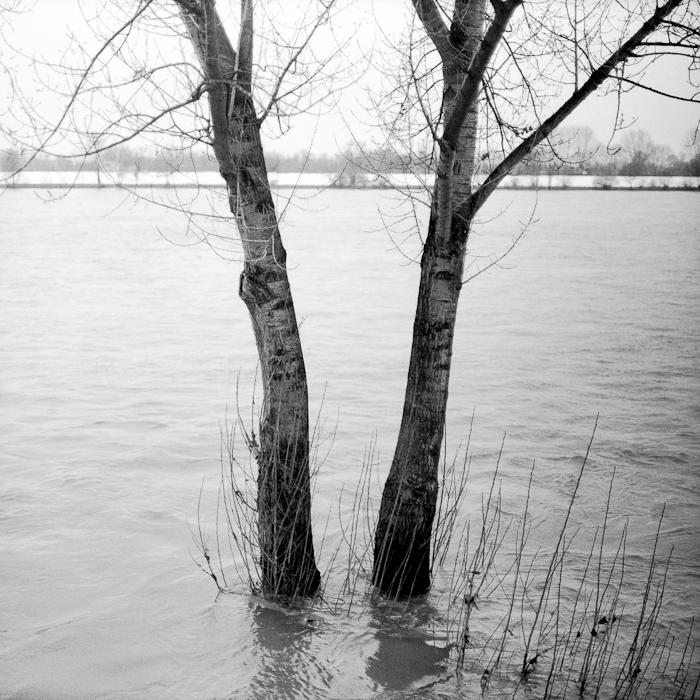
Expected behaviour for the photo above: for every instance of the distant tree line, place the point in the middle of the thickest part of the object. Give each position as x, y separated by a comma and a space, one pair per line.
577, 151
125, 159
570, 151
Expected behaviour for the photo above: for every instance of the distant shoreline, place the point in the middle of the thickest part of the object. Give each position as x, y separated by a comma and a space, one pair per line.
212, 180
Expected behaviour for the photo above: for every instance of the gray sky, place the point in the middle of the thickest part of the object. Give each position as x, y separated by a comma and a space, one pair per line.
42, 32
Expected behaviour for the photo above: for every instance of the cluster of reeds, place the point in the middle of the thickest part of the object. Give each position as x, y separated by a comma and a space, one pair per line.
561, 618
565, 618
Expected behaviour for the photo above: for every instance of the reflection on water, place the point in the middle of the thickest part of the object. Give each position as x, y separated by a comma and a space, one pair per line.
305, 653
402, 659
284, 643
287, 667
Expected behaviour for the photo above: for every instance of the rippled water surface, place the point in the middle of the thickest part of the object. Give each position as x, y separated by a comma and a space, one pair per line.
124, 351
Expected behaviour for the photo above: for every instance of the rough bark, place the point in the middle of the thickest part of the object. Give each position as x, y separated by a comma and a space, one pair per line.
407, 511
404, 528
287, 563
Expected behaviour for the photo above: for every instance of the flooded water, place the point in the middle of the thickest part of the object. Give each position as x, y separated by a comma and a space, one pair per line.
125, 351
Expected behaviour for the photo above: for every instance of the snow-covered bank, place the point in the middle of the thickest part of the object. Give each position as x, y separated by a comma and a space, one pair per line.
50, 179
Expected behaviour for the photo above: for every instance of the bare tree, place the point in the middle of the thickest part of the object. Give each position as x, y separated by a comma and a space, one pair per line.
640, 154
692, 144
488, 72
284, 496
139, 82
568, 147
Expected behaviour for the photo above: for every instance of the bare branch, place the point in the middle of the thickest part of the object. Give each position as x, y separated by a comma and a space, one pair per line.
218, 60
244, 62
321, 20
472, 81
83, 78
694, 99
429, 14
597, 78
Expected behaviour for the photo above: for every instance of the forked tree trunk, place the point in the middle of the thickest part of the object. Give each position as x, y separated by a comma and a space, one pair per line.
404, 528
405, 524
287, 560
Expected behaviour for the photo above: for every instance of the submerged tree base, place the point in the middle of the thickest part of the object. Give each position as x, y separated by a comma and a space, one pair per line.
508, 614
402, 540
285, 540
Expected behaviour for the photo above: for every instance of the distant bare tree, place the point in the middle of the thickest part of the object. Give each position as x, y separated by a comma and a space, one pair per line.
692, 143
640, 155
10, 162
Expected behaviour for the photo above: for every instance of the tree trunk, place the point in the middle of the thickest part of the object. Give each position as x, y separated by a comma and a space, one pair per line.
405, 523
287, 560
404, 528
284, 495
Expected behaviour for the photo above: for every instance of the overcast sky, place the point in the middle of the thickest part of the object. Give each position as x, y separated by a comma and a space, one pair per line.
42, 31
